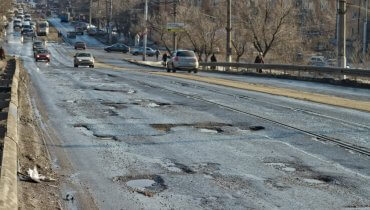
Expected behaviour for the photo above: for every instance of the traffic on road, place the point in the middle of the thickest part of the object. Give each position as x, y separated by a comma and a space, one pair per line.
124, 136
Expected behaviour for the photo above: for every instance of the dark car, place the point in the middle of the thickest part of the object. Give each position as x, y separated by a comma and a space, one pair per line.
42, 54
71, 35
80, 45
37, 44
118, 48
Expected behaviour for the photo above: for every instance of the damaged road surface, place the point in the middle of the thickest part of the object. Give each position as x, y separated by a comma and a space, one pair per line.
127, 139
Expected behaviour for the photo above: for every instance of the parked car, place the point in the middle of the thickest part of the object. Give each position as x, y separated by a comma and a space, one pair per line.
80, 45
140, 51
84, 59
317, 61
118, 48
183, 59
42, 54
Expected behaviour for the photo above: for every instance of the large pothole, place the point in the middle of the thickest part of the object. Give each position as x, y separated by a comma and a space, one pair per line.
206, 127
147, 185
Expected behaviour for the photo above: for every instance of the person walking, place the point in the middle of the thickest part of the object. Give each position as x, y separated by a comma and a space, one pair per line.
164, 59
213, 60
2, 53
259, 59
157, 53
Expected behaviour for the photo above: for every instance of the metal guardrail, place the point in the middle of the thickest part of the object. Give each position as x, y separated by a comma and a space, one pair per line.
290, 68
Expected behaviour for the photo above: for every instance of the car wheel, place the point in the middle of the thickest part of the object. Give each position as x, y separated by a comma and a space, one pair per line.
195, 71
173, 69
91, 66
37, 60
76, 66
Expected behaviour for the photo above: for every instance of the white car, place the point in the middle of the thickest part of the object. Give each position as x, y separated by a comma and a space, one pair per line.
183, 59
84, 59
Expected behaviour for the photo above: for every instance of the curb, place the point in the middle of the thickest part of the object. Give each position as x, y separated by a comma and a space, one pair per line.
9, 168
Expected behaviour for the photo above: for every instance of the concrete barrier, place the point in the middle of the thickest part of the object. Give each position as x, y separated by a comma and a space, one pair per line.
9, 167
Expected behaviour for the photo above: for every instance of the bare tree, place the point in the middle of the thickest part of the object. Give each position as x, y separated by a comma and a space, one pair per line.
269, 24
5, 5
204, 31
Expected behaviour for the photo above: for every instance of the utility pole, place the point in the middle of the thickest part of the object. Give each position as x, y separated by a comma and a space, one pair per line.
228, 30
174, 38
146, 28
364, 41
342, 62
90, 12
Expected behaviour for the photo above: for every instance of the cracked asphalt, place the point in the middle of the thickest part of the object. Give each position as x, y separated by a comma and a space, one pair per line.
134, 140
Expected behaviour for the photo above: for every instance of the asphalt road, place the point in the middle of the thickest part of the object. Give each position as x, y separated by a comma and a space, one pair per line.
137, 140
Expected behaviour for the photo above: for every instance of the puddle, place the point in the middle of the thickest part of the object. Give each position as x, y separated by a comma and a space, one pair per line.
313, 181
140, 184
147, 185
204, 130
153, 105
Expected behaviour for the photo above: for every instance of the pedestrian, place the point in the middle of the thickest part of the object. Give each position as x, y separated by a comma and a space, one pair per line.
213, 60
2, 53
164, 59
259, 59
157, 53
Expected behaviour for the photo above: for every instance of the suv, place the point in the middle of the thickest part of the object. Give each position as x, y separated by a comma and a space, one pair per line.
80, 45
183, 59
83, 59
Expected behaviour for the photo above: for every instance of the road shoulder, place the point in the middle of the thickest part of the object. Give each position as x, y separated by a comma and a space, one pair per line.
33, 153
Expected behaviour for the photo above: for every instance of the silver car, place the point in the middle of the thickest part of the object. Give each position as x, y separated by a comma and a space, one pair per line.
183, 59
84, 59
140, 51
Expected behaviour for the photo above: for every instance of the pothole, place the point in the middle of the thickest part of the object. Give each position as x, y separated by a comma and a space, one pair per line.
177, 167
256, 128
84, 129
147, 185
313, 181
207, 127
130, 91
214, 131
115, 105
105, 137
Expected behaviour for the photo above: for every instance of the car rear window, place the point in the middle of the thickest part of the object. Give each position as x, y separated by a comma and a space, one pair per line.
186, 54
83, 55
43, 51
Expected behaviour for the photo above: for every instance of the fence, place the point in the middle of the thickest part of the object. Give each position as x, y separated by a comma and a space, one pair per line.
359, 75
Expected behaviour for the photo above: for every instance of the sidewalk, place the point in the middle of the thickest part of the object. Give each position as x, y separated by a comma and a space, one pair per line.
150, 61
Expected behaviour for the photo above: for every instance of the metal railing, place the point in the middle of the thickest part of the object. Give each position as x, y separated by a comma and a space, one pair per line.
359, 75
